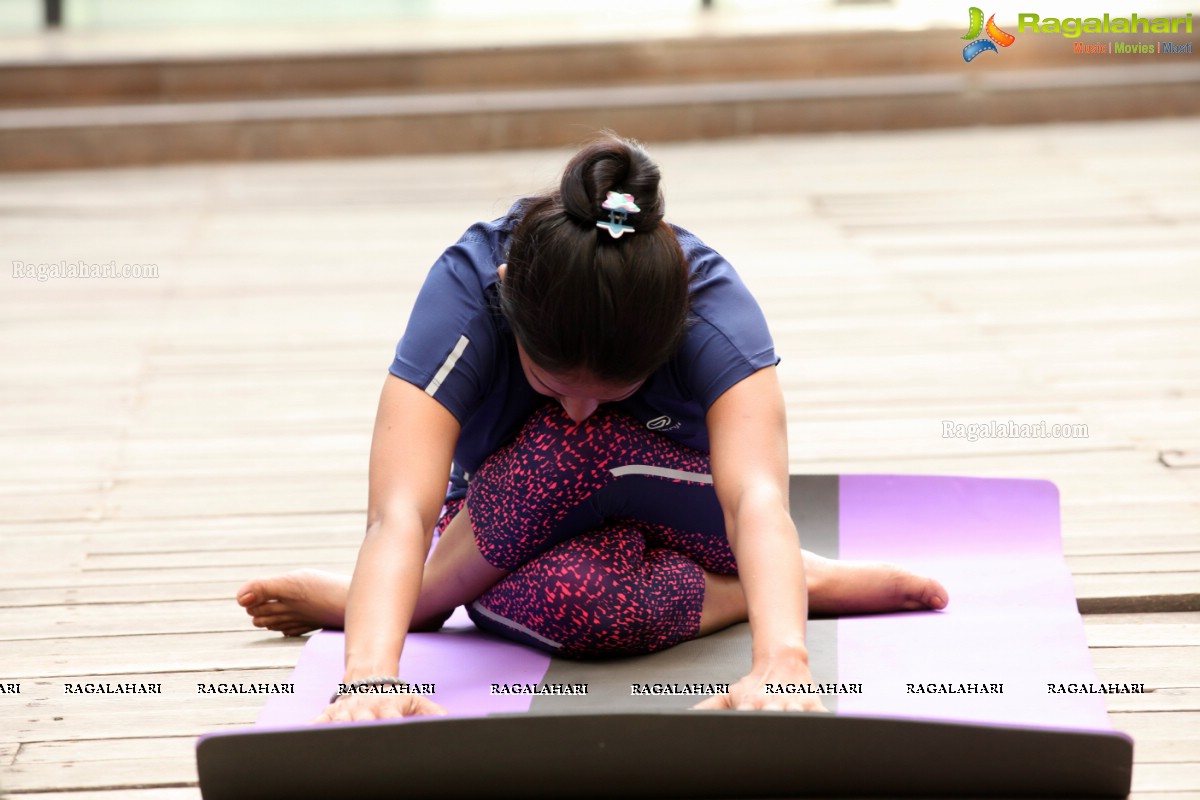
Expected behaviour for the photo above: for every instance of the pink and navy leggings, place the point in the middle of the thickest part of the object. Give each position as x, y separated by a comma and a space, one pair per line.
607, 528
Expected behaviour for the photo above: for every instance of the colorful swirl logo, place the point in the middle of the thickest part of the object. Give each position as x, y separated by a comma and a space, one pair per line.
995, 36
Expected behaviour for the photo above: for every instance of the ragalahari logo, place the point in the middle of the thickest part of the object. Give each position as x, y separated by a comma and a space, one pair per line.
995, 36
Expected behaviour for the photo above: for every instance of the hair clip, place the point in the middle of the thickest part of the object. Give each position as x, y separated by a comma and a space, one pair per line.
619, 207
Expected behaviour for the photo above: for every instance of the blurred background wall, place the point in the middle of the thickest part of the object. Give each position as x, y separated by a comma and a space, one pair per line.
123, 82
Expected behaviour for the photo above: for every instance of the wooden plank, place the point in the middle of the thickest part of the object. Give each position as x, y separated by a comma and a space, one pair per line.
100, 656
1161, 738
88, 561
215, 530
1108, 634
181, 683
186, 720
1176, 667
62, 723
335, 553
233, 574
121, 619
1142, 630
47, 713
1141, 592
108, 763
1167, 778
1155, 699
1118, 544
1142, 563
122, 593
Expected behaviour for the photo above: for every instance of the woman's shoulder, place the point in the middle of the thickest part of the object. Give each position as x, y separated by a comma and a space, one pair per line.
728, 337
693, 247
465, 275
708, 268
496, 231
715, 284
479, 250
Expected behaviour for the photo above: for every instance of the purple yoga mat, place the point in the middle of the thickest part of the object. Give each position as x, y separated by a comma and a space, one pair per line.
1012, 617
460, 661
1012, 620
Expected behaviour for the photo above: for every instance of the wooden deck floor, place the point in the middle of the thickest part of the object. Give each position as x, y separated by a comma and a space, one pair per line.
164, 439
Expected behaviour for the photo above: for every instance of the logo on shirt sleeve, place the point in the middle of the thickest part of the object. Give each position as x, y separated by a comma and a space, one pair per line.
663, 423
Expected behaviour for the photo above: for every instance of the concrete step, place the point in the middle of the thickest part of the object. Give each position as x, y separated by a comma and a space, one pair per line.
108, 112
109, 136
695, 59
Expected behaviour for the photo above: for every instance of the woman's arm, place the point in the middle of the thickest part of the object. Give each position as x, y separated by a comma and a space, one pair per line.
411, 451
747, 430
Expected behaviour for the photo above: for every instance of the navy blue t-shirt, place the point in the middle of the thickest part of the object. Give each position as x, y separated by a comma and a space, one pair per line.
459, 348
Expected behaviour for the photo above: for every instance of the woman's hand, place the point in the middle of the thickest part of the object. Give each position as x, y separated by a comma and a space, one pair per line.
359, 707
751, 694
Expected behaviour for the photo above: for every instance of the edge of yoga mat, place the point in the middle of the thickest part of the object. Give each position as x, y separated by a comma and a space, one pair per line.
667, 754
995, 543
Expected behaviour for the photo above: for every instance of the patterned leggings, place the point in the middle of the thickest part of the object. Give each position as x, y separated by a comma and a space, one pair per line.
608, 529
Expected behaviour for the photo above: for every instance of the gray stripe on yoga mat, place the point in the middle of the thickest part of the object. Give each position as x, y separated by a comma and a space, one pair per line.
720, 658
814, 503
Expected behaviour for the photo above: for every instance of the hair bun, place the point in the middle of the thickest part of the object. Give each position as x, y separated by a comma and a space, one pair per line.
612, 164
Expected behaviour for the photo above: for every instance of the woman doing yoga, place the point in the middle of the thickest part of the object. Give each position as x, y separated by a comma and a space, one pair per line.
601, 387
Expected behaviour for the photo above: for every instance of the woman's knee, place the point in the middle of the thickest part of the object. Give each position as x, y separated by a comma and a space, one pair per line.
558, 479
600, 594
521, 496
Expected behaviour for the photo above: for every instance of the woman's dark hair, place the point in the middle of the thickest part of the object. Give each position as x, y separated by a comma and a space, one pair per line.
579, 300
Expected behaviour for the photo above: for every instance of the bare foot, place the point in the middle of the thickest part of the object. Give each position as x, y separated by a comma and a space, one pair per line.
296, 602
868, 587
